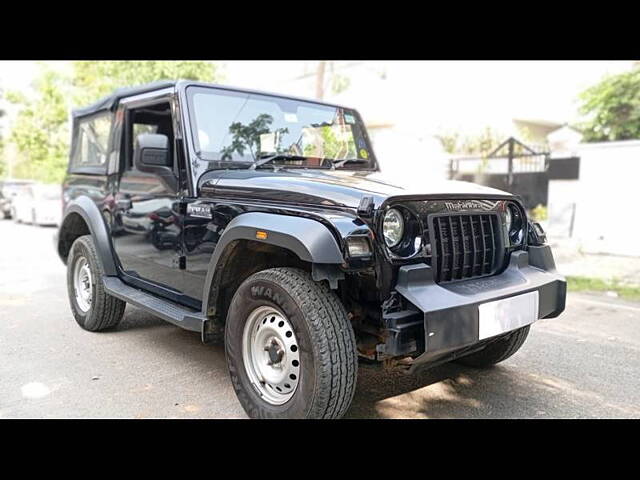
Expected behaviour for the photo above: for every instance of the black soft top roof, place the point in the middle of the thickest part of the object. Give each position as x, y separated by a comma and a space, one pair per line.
106, 103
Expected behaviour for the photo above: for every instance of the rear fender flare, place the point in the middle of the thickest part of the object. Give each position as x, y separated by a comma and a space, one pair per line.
88, 210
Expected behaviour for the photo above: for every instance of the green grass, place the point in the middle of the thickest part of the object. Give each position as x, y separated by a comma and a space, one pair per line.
587, 284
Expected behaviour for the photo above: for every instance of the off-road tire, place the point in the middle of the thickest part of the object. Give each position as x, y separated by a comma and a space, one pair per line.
326, 341
106, 311
498, 350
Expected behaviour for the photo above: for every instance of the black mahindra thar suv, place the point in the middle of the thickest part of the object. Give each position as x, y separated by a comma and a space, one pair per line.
264, 222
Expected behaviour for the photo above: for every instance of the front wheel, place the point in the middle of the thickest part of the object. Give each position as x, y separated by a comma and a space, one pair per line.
498, 350
290, 348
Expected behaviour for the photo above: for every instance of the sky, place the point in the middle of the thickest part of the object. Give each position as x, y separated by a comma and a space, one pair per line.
422, 96
445, 94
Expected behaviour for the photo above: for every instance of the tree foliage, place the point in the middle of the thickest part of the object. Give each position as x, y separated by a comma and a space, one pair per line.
247, 136
336, 81
612, 108
481, 143
2, 160
41, 129
95, 79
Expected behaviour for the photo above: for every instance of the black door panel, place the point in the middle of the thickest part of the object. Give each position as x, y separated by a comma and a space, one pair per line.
147, 237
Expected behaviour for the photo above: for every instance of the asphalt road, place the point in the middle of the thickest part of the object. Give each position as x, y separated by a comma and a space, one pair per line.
584, 364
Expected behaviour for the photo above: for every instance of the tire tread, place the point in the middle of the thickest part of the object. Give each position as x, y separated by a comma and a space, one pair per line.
331, 334
106, 310
498, 351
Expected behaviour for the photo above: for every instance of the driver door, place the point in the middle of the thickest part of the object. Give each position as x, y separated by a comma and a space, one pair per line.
147, 233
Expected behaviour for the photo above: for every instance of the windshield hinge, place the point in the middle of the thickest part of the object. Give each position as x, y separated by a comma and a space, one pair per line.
365, 209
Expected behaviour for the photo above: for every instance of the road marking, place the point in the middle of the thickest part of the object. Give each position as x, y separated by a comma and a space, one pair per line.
605, 304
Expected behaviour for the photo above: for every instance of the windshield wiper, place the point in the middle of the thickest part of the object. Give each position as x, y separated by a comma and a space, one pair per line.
285, 156
340, 163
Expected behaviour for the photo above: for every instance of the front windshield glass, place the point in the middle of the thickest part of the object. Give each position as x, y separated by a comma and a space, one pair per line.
247, 128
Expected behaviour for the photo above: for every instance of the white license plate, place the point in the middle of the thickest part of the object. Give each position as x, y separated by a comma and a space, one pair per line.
507, 314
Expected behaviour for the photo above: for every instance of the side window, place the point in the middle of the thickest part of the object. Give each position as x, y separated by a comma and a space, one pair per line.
150, 119
155, 118
92, 142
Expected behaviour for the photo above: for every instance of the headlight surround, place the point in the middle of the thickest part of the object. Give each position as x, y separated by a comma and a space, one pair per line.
508, 218
514, 220
393, 227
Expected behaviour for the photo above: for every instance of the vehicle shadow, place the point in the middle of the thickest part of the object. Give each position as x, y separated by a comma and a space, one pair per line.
136, 319
451, 391
446, 391
174, 340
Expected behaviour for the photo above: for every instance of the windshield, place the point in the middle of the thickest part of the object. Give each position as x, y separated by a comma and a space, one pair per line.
243, 128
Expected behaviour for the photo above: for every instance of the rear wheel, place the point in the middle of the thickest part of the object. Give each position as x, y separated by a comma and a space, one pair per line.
290, 347
498, 350
93, 308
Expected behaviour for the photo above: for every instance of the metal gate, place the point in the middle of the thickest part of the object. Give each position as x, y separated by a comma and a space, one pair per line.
512, 166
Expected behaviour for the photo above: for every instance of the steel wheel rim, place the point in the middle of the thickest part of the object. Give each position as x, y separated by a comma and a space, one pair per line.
271, 355
82, 284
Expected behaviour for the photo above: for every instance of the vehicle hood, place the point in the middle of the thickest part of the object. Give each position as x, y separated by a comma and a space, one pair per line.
334, 188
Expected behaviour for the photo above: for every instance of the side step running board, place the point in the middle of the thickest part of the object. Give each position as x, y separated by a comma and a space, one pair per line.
183, 317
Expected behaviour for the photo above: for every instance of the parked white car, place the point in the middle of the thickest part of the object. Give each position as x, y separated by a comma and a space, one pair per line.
38, 204
8, 190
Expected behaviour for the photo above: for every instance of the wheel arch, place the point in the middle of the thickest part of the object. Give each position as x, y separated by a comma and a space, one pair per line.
82, 217
289, 241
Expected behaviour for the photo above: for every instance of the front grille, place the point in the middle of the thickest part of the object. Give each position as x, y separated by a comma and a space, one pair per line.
466, 246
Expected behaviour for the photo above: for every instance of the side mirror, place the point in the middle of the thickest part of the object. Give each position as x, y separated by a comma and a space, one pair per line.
151, 152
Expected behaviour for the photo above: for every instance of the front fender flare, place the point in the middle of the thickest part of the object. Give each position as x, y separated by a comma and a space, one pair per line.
309, 239
88, 210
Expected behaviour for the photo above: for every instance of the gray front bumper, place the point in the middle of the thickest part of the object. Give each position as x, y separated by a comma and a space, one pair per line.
446, 318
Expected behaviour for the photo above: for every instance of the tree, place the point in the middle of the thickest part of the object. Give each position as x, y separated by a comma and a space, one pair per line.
2, 160
612, 108
481, 143
41, 130
247, 136
95, 79
338, 83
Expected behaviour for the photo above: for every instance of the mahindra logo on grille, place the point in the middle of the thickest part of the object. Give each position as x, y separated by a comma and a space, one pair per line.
470, 205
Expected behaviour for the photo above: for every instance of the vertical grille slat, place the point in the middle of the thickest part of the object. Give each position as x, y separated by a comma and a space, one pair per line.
440, 258
493, 243
454, 250
465, 246
474, 257
484, 244
464, 250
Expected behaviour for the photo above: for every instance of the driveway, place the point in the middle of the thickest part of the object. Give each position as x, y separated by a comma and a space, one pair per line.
584, 364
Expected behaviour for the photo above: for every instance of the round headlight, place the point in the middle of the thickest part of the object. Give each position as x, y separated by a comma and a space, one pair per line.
508, 218
515, 224
393, 227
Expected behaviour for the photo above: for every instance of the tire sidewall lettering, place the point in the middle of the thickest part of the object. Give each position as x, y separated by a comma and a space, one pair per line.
247, 298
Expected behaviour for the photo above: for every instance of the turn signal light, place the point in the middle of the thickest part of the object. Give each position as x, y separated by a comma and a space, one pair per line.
358, 246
